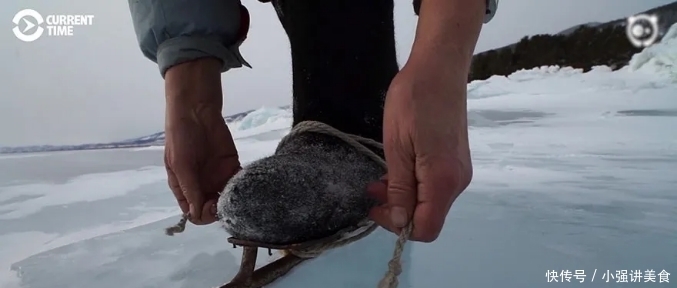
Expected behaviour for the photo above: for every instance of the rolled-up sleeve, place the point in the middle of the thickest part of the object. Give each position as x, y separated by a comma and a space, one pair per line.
170, 32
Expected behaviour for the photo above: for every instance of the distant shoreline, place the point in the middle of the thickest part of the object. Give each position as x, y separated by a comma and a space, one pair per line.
26, 150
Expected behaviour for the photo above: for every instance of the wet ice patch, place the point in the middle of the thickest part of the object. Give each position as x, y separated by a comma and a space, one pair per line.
85, 188
494, 118
139, 256
649, 113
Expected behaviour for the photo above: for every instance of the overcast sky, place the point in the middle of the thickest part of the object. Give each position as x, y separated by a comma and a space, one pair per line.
95, 86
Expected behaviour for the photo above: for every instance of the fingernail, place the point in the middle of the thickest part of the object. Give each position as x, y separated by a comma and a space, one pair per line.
398, 216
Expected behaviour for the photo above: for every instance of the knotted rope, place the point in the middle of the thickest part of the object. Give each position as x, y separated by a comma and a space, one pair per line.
351, 234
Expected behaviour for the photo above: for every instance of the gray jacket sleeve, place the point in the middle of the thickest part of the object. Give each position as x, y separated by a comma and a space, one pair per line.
170, 32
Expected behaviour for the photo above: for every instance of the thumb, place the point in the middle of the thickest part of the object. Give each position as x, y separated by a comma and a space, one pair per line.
190, 186
401, 190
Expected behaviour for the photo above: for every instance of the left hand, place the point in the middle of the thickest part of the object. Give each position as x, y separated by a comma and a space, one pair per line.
425, 137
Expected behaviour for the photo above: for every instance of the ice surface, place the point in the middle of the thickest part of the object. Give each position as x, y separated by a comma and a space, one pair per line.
572, 171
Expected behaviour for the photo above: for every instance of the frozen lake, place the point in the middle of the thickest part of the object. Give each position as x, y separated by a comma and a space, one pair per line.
573, 172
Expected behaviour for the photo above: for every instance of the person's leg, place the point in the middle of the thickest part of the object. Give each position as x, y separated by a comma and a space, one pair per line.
343, 60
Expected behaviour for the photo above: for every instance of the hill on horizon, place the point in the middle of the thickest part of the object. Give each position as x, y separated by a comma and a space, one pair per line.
582, 46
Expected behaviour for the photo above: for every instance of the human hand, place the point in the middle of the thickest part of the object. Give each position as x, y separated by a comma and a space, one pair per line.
200, 154
426, 149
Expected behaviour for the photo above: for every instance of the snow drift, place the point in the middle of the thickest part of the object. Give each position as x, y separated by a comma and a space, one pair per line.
660, 58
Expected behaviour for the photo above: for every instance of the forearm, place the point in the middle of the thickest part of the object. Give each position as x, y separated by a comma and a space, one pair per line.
194, 85
192, 42
447, 33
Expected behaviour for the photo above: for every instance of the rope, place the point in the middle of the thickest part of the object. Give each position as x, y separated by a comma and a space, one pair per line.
351, 234
178, 227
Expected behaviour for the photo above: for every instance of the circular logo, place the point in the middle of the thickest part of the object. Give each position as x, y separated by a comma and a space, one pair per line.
30, 20
642, 30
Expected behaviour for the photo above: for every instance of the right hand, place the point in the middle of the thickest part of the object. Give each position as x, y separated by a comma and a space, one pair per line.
200, 154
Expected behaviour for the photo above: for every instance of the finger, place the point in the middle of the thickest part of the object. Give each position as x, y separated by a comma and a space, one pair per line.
437, 189
381, 213
401, 178
187, 175
209, 212
378, 190
381, 216
173, 184
428, 222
